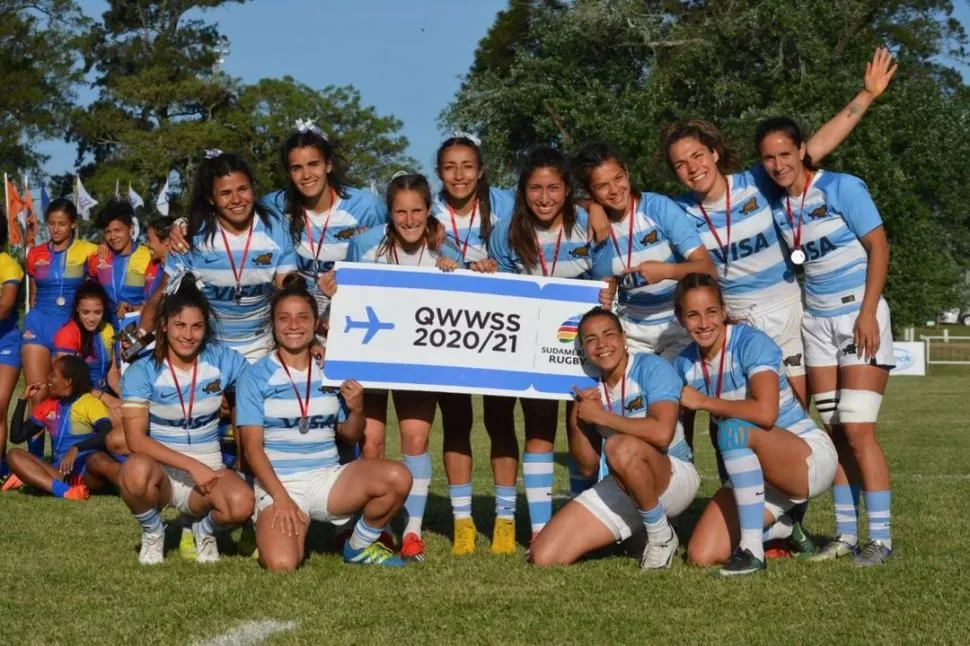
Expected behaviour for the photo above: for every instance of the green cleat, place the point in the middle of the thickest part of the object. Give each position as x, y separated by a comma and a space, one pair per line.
742, 562
802, 542
374, 554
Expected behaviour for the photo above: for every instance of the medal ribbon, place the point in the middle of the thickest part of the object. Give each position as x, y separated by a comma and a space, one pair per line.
454, 228
629, 242
797, 231
555, 256
710, 225
186, 414
323, 234
237, 275
397, 259
304, 408
720, 370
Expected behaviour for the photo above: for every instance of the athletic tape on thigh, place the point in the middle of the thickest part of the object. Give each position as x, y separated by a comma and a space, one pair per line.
826, 404
859, 406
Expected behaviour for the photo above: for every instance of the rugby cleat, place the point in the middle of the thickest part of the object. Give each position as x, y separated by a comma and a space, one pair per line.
77, 492
659, 556
412, 547
742, 562
373, 554
206, 550
503, 536
465, 534
801, 541
12, 483
247, 541
152, 549
836, 549
874, 553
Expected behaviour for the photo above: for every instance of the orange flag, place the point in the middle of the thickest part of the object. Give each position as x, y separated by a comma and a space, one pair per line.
15, 206
30, 218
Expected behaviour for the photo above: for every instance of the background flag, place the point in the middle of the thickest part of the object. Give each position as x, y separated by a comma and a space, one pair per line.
82, 199
162, 202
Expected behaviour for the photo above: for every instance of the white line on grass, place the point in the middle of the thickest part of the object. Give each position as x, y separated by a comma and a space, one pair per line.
251, 632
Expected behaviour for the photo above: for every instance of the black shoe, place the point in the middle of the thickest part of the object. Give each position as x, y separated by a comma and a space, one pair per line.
741, 562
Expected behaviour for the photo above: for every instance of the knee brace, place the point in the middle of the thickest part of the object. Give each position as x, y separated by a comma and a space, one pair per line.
826, 404
858, 406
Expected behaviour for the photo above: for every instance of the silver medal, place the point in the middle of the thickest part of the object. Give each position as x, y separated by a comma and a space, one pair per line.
61, 301
798, 257
304, 425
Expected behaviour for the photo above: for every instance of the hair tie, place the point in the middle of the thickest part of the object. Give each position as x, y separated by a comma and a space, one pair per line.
212, 153
400, 173
304, 126
460, 134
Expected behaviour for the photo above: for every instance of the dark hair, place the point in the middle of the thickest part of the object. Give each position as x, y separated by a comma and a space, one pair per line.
591, 157
202, 212
63, 205
4, 233
162, 226
689, 283
482, 195
787, 127
522, 237
419, 184
707, 134
75, 370
89, 290
293, 285
117, 209
594, 313
188, 295
292, 198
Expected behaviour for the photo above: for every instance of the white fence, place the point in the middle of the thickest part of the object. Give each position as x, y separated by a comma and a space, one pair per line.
947, 349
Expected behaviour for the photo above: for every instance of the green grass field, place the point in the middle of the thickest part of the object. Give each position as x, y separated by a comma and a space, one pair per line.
70, 571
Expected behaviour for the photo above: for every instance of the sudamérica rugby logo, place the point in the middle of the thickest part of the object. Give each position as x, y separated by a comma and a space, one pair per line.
569, 330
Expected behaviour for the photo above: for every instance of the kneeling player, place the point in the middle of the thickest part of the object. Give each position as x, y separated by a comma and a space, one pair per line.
289, 421
651, 476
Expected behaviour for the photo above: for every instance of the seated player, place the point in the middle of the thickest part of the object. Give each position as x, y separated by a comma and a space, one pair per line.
78, 424
632, 419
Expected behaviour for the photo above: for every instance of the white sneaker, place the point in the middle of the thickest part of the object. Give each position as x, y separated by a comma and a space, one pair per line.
152, 549
658, 556
206, 550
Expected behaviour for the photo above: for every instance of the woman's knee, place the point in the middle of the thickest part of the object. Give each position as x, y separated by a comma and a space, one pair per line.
398, 479
279, 560
136, 473
623, 451
703, 554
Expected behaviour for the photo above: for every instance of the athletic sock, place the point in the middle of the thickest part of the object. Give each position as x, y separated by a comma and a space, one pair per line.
420, 468
364, 536
208, 526
151, 522
59, 488
878, 516
748, 485
578, 483
505, 502
779, 529
655, 522
537, 473
846, 513
461, 500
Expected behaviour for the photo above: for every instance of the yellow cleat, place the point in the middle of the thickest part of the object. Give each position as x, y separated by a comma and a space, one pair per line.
503, 537
465, 534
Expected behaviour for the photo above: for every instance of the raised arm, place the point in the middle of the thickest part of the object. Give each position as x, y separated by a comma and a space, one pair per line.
761, 407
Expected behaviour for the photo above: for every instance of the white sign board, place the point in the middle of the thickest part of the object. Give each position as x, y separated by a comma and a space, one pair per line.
910, 358
418, 328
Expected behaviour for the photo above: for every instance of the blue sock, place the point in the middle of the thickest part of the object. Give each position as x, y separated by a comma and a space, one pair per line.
420, 468
748, 486
846, 513
4, 469
59, 488
537, 474
578, 483
35, 446
208, 526
655, 522
151, 522
505, 502
461, 500
364, 536
878, 516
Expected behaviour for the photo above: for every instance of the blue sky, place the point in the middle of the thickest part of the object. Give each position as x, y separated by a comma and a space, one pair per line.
406, 58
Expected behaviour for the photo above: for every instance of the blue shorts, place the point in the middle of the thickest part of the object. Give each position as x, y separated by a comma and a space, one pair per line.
10, 349
79, 467
41, 326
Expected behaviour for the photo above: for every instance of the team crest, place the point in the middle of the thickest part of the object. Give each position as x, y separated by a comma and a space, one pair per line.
650, 238
42, 262
263, 260
635, 405
750, 206
580, 252
818, 213
794, 360
346, 234
212, 387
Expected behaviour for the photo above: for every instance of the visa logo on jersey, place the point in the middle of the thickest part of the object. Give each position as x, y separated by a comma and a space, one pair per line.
742, 248
815, 249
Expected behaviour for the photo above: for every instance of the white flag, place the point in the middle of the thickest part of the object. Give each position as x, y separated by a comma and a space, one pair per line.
135, 198
162, 202
82, 200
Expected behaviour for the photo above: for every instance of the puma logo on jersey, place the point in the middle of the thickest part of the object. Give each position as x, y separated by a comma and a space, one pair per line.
212, 387
635, 405
650, 238
263, 260
750, 206
794, 360
580, 252
818, 213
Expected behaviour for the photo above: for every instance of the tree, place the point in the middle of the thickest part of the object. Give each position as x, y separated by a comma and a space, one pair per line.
38, 73
620, 70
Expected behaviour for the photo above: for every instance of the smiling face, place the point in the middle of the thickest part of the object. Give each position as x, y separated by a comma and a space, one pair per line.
545, 194
59, 226
308, 171
158, 247
782, 158
603, 342
409, 213
703, 316
609, 184
460, 172
90, 311
185, 331
293, 324
232, 197
58, 384
695, 164
117, 235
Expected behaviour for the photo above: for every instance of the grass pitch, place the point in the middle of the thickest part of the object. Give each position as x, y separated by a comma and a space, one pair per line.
70, 572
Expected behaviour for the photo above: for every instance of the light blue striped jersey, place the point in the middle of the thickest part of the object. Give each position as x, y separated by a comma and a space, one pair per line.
270, 254
660, 233
838, 213
759, 274
649, 379
265, 397
465, 231
573, 261
369, 247
749, 351
147, 382
347, 217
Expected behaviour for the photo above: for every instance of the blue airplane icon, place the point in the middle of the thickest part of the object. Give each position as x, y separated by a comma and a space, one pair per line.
373, 325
